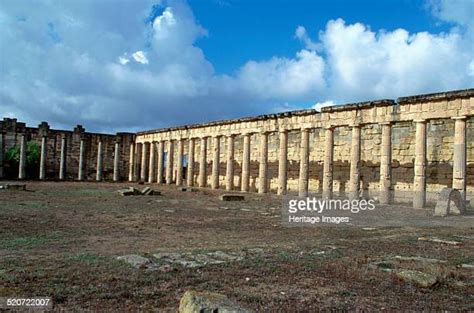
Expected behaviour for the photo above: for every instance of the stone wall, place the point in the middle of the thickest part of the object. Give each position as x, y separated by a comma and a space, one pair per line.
12, 130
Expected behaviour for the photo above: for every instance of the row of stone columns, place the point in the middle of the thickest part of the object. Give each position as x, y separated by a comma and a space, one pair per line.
63, 159
419, 183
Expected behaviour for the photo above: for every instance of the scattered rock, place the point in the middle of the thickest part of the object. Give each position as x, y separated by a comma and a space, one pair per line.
182, 189
468, 266
418, 259
126, 192
450, 202
383, 266
137, 261
203, 301
369, 228
436, 239
232, 197
132, 191
165, 268
14, 186
418, 278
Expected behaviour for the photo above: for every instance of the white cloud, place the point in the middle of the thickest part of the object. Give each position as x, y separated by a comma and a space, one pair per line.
140, 57
76, 77
319, 105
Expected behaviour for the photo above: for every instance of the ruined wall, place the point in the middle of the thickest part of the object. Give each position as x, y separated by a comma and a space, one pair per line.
12, 129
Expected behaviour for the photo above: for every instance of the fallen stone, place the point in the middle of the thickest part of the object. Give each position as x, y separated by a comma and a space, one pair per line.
203, 301
165, 268
450, 202
14, 186
418, 278
383, 266
437, 240
418, 259
182, 189
468, 266
232, 197
134, 190
369, 228
136, 261
126, 192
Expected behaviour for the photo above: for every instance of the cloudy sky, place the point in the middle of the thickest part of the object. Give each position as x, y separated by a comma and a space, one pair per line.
118, 65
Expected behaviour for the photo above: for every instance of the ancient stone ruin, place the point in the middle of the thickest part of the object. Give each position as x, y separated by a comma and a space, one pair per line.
404, 150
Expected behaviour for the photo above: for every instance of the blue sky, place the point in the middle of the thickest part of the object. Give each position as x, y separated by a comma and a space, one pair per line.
136, 65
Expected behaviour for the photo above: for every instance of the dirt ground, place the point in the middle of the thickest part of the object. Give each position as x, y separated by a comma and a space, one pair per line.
62, 240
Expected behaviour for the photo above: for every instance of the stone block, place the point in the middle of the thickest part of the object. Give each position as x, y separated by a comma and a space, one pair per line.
232, 197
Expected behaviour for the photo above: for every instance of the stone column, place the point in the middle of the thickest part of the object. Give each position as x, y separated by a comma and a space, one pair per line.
386, 164
62, 160
179, 164
216, 151
117, 160
44, 147
354, 175
263, 164
22, 165
304, 164
459, 156
138, 158
283, 163
98, 176
203, 163
328, 162
82, 152
152, 163
190, 174
419, 182
229, 173
131, 165
145, 160
169, 163
1, 154
245, 186
159, 174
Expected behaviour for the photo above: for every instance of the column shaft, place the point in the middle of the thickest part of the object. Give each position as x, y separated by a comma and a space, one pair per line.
304, 164
245, 186
98, 176
190, 174
169, 163
117, 161
138, 159
203, 163
263, 166
1, 154
354, 175
386, 164
152, 164
179, 163
44, 147
22, 165
459, 155
131, 165
229, 173
283, 163
159, 174
216, 151
419, 182
145, 160
62, 160
82, 152
328, 163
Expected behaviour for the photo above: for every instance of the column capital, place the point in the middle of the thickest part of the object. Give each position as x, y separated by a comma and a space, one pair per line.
329, 127
283, 131
230, 135
387, 123
420, 121
217, 136
459, 117
354, 125
306, 129
63, 136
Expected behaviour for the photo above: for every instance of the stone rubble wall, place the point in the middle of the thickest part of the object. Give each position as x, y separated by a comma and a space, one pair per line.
12, 129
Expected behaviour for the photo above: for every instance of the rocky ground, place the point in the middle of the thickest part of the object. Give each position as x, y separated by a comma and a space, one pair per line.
88, 247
